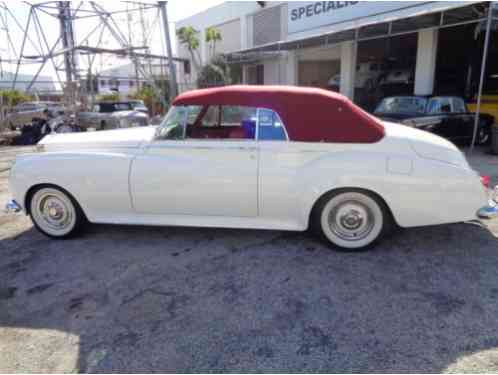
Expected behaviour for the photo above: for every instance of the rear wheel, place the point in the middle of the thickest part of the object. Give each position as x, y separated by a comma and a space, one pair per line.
351, 220
483, 135
55, 213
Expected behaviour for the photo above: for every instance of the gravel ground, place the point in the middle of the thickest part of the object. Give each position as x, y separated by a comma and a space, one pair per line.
144, 299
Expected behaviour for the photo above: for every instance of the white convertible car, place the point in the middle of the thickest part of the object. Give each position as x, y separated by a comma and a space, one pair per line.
284, 158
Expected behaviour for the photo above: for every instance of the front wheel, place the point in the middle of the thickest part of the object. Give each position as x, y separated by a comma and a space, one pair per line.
351, 220
55, 213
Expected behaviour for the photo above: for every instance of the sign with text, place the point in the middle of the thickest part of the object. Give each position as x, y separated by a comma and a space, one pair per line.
308, 15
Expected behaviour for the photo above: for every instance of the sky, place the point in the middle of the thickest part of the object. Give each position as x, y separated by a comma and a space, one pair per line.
129, 23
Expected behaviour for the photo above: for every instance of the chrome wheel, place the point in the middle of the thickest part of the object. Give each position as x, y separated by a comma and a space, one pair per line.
53, 212
352, 220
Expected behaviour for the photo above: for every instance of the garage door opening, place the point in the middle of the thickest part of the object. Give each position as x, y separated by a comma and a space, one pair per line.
385, 67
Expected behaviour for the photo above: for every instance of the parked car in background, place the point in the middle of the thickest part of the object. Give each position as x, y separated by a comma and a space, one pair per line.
267, 157
112, 115
446, 116
397, 77
24, 113
139, 105
366, 77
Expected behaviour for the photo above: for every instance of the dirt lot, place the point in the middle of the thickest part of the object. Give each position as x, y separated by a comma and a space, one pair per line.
140, 299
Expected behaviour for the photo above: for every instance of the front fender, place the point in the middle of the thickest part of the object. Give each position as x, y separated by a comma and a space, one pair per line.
97, 180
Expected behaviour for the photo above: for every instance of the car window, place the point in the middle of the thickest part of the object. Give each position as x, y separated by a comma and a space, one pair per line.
459, 105
123, 106
439, 105
25, 107
173, 125
271, 127
193, 113
234, 115
212, 116
225, 122
402, 104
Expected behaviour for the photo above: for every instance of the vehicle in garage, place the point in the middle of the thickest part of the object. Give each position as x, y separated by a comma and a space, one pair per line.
367, 76
446, 116
268, 157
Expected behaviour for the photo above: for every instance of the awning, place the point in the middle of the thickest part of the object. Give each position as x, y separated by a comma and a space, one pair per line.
410, 19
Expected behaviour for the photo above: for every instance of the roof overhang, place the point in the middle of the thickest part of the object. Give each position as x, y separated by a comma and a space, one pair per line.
409, 19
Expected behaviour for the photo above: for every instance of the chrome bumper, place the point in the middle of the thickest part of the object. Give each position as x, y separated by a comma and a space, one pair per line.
12, 207
491, 209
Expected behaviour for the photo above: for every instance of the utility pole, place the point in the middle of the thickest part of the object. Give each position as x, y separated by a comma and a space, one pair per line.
173, 88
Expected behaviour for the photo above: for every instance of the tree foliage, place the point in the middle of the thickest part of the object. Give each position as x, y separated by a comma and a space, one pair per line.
213, 36
215, 73
14, 97
113, 97
189, 37
152, 97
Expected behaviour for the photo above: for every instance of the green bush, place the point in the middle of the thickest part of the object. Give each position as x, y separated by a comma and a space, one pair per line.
114, 97
14, 97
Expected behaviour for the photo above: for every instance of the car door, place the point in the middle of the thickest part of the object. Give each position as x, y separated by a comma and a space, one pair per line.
449, 123
467, 119
192, 174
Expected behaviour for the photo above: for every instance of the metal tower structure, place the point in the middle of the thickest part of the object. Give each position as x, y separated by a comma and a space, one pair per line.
40, 47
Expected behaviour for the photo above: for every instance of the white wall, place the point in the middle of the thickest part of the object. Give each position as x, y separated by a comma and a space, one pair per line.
425, 68
218, 15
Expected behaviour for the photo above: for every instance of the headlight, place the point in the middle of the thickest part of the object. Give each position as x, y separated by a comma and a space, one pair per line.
40, 148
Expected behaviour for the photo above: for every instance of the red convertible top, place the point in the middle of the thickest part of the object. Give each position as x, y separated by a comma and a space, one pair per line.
309, 114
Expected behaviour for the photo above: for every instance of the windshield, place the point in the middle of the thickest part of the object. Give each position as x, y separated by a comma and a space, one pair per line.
402, 104
173, 125
114, 107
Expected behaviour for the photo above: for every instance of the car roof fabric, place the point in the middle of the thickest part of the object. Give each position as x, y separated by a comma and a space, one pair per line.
309, 114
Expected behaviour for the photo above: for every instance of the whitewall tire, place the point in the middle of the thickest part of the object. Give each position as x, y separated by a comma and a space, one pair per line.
351, 220
55, 213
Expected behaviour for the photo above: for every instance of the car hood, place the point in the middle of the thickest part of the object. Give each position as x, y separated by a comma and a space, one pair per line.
426, 145
105, 139
134, 113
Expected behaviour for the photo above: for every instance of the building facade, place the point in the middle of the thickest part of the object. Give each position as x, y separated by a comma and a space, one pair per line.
365, 50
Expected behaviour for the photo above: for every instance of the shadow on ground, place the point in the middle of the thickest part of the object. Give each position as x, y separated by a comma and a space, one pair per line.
135, 299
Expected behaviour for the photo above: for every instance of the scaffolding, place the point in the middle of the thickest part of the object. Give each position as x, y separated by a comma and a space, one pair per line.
64, 52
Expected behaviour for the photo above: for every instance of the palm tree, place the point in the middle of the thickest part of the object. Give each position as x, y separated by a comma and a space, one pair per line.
188, 36
212, 36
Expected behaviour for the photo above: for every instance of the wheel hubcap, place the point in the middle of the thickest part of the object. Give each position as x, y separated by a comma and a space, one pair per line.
54, 212
483, 137
351, 221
